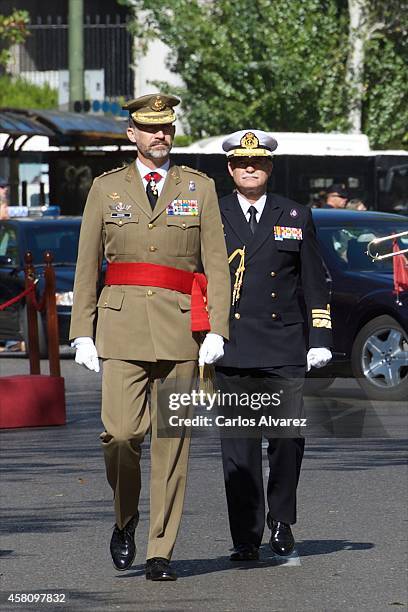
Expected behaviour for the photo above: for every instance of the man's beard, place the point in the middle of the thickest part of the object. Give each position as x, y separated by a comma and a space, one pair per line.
153, 153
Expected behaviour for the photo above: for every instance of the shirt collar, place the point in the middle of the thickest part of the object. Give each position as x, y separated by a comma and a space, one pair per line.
245, 205
143, 170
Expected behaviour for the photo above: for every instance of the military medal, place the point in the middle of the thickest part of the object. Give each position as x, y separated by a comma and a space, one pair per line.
153, 186
120, 209
287, 233
183, 208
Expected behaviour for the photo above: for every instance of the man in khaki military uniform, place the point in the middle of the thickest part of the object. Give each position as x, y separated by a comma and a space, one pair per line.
159, 228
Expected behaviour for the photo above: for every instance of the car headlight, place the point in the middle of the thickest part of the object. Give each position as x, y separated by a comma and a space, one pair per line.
64, 299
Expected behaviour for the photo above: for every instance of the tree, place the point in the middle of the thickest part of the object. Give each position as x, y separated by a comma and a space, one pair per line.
18, 93
376, 29
13, 30
278, 65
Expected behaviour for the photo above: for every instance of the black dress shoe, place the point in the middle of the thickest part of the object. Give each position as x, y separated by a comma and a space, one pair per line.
122, 545
282, 541
245, 552
159, 568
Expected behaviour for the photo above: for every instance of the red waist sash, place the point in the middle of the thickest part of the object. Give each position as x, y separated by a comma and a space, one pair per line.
166, 277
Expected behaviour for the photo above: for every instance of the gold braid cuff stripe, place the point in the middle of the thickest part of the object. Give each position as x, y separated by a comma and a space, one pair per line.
322, 323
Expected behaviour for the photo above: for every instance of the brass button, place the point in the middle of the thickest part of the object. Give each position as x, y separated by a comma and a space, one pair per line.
204, 300
183, 225
105, 303
150, 292
273, 294
273, 273
152, 249
150, 226
237, 315
120, 221
274, 315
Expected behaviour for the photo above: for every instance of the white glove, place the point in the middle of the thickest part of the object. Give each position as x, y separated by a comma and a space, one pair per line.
86, 353
318, 357
211, 349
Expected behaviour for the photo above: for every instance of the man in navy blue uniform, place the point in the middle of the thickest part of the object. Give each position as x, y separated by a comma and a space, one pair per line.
273, 251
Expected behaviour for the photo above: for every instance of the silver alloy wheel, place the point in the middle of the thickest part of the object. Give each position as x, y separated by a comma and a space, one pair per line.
385, 358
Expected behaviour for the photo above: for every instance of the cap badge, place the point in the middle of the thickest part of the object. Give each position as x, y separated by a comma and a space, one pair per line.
249, 141
293, 212
191, 186
158, 104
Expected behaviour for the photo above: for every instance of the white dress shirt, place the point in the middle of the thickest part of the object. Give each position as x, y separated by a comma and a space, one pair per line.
245, 205
143, 170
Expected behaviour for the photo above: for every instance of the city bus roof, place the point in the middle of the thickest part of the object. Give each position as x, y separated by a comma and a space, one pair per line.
299, 143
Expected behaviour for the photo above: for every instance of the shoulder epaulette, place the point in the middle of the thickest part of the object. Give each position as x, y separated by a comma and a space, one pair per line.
113, 170
194, 171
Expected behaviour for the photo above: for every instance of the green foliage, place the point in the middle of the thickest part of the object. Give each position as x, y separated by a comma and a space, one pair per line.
182, 140
277, 65
18, 93
385, 118
13, 29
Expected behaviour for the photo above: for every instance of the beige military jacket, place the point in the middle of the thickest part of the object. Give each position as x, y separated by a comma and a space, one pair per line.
149, 323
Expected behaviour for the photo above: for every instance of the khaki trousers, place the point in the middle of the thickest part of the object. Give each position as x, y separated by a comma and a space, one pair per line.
127, 416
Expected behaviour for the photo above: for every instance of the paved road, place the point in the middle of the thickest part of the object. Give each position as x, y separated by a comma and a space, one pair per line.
57, 520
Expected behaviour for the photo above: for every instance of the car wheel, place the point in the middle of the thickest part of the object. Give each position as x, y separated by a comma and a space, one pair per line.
42, 338
315, 385
379, 359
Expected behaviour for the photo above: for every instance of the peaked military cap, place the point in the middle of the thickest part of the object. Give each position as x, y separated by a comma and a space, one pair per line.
152, 109
249, 143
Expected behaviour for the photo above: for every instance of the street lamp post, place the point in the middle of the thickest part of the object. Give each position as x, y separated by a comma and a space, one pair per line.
76, 51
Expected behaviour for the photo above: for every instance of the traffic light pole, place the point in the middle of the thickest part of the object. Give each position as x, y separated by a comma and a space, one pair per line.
76, 51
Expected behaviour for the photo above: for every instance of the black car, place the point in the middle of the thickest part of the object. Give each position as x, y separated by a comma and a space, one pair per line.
59, 235
370, 322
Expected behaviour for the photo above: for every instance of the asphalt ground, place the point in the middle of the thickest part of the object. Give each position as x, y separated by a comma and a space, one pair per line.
57, 520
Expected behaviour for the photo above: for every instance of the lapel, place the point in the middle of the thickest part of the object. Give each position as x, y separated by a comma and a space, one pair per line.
269, 217
171, 189
135, 190
232, 212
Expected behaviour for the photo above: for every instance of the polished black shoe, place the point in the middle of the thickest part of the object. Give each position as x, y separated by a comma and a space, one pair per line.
245, 552
159, 568
282, 541
122, 545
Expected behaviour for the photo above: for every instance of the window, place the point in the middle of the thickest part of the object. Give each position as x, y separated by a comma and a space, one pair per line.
62, 241
8, 244
347, 246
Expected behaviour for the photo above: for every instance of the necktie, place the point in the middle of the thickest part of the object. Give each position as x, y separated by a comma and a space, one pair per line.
252, 219
151, 188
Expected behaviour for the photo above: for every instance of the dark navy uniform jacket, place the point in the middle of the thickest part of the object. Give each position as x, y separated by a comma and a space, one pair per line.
267, 326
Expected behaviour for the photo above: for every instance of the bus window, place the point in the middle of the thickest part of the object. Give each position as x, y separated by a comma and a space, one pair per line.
394, 189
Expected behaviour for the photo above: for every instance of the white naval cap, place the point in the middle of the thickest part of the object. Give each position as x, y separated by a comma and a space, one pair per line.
249, 143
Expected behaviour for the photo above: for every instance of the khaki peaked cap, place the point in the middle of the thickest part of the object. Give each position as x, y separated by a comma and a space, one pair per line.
152, 109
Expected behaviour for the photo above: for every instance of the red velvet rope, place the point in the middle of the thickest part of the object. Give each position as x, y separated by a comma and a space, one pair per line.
30, 292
